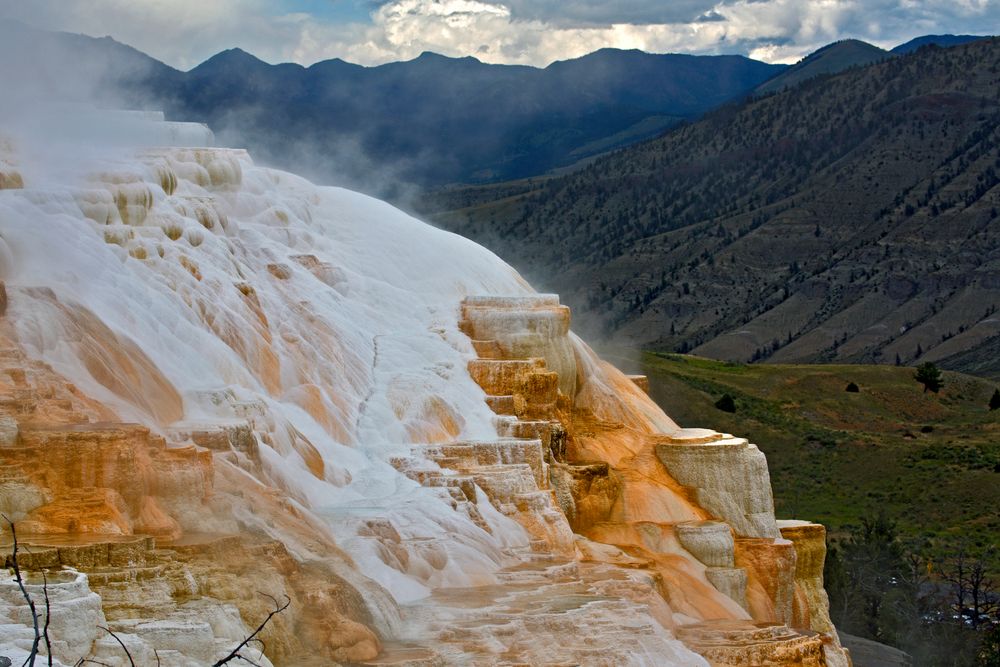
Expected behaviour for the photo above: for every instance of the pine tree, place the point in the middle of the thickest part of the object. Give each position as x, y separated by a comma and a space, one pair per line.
930, 376
995, 401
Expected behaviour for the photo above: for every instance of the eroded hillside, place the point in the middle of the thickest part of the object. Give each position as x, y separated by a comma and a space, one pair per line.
850, 219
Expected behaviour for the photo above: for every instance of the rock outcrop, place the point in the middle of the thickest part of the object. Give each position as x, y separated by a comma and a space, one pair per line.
124, 514
222, 387
691, 506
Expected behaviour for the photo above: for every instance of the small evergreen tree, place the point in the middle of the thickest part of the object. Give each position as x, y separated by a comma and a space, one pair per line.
726, 403
995, 400
852, 388
930, 376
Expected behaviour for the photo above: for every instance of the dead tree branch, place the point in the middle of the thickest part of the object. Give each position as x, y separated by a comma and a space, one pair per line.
122, 644
30, 660
45, 629
235, 653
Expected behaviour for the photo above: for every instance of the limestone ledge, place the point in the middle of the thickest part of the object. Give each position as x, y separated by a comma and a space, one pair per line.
692, 506
115, 516
728, 477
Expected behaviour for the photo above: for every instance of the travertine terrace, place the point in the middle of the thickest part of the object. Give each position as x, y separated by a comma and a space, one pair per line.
220, 384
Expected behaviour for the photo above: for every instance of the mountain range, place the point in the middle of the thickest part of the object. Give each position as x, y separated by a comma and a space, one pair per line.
427, 121
837, 210
845, 54
851, 218
830, 59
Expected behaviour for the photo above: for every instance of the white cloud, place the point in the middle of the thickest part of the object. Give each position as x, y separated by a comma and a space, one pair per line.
579, 13
536, 32
182, 33
403, 29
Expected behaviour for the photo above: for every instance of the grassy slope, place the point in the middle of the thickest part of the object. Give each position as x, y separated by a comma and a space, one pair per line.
836, 455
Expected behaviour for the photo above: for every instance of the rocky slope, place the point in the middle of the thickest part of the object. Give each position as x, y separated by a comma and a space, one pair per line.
852, 218
222, 386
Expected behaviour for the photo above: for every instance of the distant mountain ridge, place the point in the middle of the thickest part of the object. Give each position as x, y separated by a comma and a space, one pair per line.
435, 119
830, 59
423, 123
845, 54
428, 121
852, 218
936, 40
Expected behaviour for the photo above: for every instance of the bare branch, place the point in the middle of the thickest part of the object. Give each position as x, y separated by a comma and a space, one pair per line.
240, 656
45, 630
263, 646
124, 648
235, 653
30, 660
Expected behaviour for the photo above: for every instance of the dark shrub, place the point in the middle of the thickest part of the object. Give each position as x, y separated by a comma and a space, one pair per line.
726, 403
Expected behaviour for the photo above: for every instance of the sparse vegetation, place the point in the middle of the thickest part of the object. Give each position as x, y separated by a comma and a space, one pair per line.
884, 588
898, 476
930, 461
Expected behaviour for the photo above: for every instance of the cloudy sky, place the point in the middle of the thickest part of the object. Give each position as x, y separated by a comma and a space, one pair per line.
183, 33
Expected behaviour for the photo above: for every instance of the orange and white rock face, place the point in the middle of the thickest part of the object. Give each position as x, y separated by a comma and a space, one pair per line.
811, 607
218, 379
691, 506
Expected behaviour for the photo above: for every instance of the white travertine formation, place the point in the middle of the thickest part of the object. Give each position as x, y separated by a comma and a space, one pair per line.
728, 475
711, 542
75, 616
214, 374
731, 581
197, 636
526, 327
